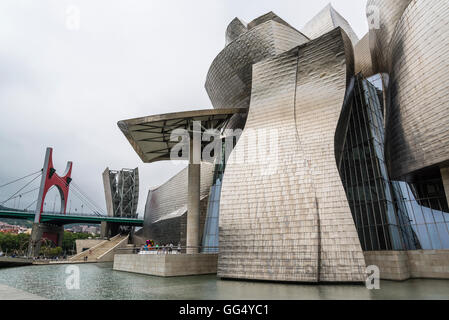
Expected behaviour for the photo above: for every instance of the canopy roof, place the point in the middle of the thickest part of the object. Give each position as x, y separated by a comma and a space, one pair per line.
150, 136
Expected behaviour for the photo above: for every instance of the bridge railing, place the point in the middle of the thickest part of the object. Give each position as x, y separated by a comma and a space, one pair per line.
71, 214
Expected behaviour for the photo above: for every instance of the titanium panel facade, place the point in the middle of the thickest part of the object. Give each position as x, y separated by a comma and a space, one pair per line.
389, 12
166, 207
268, 17
418, 105
235, 29
287, 218
362, 57
327, 20
229, 79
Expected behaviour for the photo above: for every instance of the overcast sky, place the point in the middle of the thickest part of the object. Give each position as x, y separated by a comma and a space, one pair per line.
66, 85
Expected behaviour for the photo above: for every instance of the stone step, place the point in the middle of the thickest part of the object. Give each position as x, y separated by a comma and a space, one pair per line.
99, 249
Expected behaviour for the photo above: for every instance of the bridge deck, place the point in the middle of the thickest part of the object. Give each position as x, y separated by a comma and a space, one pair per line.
69, 219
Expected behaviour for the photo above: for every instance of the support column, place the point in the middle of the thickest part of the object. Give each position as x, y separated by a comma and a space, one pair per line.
104, 231
193, 197
445, 176
34, 245
41, 231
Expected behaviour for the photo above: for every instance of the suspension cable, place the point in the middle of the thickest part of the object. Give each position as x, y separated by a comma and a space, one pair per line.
30, 205
32, 174
21, 189
85, 201
87, 197
19, 195
90, 206
81, 197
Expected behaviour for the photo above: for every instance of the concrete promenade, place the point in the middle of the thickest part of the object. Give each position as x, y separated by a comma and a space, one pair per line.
9, 293
6, 262
43, 262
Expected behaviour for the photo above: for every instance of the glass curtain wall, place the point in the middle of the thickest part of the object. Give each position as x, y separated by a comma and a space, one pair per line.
210, 233
426, 206
381, 223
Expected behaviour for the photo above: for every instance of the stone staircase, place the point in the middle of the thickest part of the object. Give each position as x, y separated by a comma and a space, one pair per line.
103, 251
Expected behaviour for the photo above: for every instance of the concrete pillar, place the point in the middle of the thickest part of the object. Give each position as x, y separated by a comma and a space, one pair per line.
38, 232
34, 245
445, 176
193, 197
104, 231
108, 192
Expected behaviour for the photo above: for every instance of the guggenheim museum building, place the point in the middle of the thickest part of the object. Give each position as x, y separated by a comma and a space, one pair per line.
354, 171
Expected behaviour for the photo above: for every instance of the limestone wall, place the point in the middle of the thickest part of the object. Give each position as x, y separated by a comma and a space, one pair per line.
167, 265
403, 265
393, 265
432, 264
86, 244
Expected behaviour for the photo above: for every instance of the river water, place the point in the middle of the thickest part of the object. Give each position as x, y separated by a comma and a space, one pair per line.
99, 281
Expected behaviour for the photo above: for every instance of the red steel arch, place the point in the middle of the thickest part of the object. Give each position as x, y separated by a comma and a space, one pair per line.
49, 179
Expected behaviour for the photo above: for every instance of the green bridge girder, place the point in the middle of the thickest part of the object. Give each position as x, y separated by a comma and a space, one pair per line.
60, 219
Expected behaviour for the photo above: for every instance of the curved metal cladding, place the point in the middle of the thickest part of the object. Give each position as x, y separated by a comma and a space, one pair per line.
235, 29
267, 17
284, 215
166, 205
389, 12
229, 78
327, 20
418, 111
362, 57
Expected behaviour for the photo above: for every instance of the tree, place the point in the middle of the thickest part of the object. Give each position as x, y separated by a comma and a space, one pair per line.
68, 243
14, 243
51, 252
18, 243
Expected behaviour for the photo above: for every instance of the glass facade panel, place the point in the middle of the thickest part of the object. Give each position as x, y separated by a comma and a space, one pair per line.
211, 227
210, 237
389, 215
427, 213
381, 224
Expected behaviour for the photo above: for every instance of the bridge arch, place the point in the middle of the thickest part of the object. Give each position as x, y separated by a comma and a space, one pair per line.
49, 179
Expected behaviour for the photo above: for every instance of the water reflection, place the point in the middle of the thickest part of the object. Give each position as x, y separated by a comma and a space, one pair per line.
99, 281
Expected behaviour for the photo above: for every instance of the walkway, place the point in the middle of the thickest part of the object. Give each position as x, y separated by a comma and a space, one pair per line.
8, 293
14, 262
103, 251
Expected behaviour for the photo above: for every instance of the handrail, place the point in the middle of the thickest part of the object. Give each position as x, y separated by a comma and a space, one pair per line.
162, 249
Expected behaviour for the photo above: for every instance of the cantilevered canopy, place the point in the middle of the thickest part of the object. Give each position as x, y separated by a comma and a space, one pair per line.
150, 136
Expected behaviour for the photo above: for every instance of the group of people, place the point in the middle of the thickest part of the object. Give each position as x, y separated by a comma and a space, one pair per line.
150, 245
